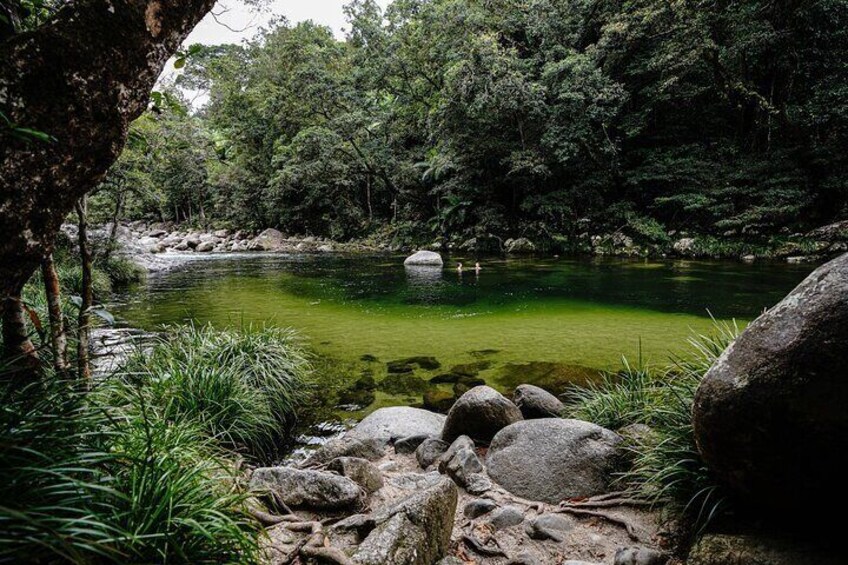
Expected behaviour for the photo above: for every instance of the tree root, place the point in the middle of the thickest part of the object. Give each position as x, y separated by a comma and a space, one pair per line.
608, 503
267, 519
315, 545
631, 529
328, 554
478, 547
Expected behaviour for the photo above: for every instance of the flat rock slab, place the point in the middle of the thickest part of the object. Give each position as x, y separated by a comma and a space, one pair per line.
553, 459
390, 424
311, 489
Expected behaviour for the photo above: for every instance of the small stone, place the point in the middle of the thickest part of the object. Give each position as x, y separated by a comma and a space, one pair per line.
478, 507
461, 465
549, 527
360, 471
430, 451
409, 444
640, 556
506, 517
478, 483
451, 560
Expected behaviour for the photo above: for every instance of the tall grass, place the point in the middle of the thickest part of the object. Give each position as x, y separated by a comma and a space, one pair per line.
241, 387
666, 467
82, 483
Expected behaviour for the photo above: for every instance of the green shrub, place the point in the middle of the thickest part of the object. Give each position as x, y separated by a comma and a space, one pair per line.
242, 387
121, 271
666, 469
71, 278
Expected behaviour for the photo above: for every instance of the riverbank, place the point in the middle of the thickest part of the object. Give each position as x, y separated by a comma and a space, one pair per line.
161, 245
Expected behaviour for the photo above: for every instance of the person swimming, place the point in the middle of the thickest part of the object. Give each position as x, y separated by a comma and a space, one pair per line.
459, 267
477, 268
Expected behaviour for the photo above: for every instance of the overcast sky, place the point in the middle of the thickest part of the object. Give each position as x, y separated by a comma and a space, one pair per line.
239, 17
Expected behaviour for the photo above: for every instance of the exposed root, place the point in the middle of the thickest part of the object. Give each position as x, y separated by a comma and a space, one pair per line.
631, 530
607, 503
478, 547
267, 519
327, 554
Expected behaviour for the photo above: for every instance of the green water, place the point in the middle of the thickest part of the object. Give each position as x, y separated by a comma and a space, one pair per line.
545, 321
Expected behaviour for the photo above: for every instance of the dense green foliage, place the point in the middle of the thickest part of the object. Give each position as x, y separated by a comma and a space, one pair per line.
140, 468
667, 469
85, 483
241, 387
544, 118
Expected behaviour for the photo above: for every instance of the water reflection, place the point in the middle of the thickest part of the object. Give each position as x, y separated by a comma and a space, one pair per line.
424, 284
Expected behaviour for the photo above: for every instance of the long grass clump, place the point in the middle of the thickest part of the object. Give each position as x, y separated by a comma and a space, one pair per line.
666, 468
83, 483
241, 387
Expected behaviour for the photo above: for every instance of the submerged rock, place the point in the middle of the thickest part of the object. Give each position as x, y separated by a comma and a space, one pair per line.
480, 413
535, 402
554, 459
424, 258
311, 489
415, 531
770, 415
409, 364
403, 384
438, 400
389, 424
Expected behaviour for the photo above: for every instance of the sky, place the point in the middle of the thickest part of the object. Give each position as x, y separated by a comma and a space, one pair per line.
247, 21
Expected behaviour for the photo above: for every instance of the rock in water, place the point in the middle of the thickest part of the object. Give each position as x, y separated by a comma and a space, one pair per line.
553, 459
535, 402
312, 489
480, 413
415, 531
424, 258
770, 415
397, 422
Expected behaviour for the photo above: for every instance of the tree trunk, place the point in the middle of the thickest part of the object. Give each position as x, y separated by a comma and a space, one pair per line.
87, 293
113, 230
58, 339
81, 78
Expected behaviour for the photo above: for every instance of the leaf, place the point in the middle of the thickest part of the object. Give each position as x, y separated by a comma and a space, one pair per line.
180, 63
104, 315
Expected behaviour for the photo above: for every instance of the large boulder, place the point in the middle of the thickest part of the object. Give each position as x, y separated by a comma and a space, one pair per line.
311, 489
424, 258
389, 424
554, 459
770, 416
268, 240
415, 531
361, 471
535, 402
480, 413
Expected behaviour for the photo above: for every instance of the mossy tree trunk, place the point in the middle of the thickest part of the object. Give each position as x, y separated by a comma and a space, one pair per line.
80, 79
58, 338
